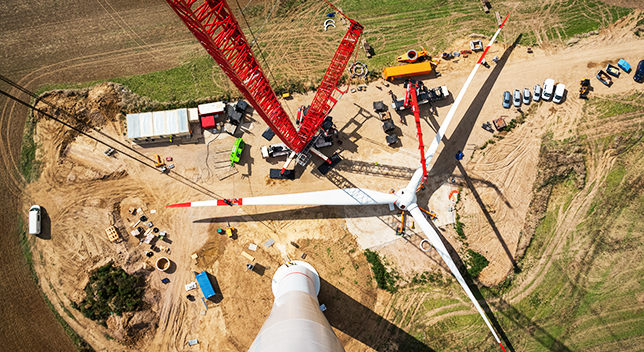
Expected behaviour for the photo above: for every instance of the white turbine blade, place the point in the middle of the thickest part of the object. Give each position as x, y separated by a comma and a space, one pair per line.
433, 238
348, 196
418, 175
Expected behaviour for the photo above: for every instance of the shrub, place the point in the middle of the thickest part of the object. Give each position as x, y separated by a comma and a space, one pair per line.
384, 279
459, 227
110, 290
476, 263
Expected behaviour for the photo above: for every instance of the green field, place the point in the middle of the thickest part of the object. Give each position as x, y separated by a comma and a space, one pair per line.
582, 280
392, 27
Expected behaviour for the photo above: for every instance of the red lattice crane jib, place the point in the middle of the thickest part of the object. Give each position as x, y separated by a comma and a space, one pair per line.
213, 24
328, 94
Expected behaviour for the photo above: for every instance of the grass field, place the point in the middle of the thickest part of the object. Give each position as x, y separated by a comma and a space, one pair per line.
29, 166
581, 277
288, 42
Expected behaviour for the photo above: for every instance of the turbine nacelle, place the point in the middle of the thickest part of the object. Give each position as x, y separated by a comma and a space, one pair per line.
406, 199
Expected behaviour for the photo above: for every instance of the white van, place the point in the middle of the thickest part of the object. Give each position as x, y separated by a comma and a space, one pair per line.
34, 220
559, 92
548, 88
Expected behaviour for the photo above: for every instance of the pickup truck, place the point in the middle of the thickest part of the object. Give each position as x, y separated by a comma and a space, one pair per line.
275, 150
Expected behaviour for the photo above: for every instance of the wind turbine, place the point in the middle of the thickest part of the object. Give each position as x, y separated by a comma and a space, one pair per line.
404, 199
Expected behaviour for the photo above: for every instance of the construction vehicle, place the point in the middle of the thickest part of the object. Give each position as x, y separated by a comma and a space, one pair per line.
160, 161
238, 148
207, 20
412, 56
416, 91
583, 89
400, 231
229, 231
432, 215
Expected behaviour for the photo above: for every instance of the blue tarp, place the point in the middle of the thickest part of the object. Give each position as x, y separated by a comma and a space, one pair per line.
205, 285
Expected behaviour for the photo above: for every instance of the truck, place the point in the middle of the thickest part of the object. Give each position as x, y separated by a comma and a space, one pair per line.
275, 150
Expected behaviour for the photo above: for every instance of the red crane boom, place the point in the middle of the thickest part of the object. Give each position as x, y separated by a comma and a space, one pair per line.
214, 25
328, 93
411, 99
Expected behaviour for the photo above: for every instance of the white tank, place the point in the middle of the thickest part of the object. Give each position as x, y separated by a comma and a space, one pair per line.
296, 323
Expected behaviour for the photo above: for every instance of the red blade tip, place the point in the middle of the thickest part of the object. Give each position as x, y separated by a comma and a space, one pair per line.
178, 205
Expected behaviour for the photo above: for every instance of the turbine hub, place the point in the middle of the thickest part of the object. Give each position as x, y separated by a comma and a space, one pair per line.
405, 199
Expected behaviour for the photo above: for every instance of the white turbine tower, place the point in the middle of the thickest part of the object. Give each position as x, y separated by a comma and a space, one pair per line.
296, 322
303, 307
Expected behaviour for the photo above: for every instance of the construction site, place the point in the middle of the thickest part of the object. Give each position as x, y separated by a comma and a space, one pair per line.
425, 213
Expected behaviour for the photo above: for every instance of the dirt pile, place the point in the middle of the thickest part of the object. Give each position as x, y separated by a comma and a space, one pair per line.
84, 109
133, 328
72, 157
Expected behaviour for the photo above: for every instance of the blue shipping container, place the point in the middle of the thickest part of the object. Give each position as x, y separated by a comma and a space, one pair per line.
205, 285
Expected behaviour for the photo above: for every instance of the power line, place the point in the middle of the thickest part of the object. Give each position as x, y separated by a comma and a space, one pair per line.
264, 24
259, 47
175, 176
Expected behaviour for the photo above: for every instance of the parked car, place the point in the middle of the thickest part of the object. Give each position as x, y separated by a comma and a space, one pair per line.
506, 99
517, 98
639, 72
526, 96
34, 220
548, 88
536, 96
559, 93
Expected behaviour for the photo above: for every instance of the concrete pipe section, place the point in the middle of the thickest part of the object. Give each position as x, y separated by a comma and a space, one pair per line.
163, 264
